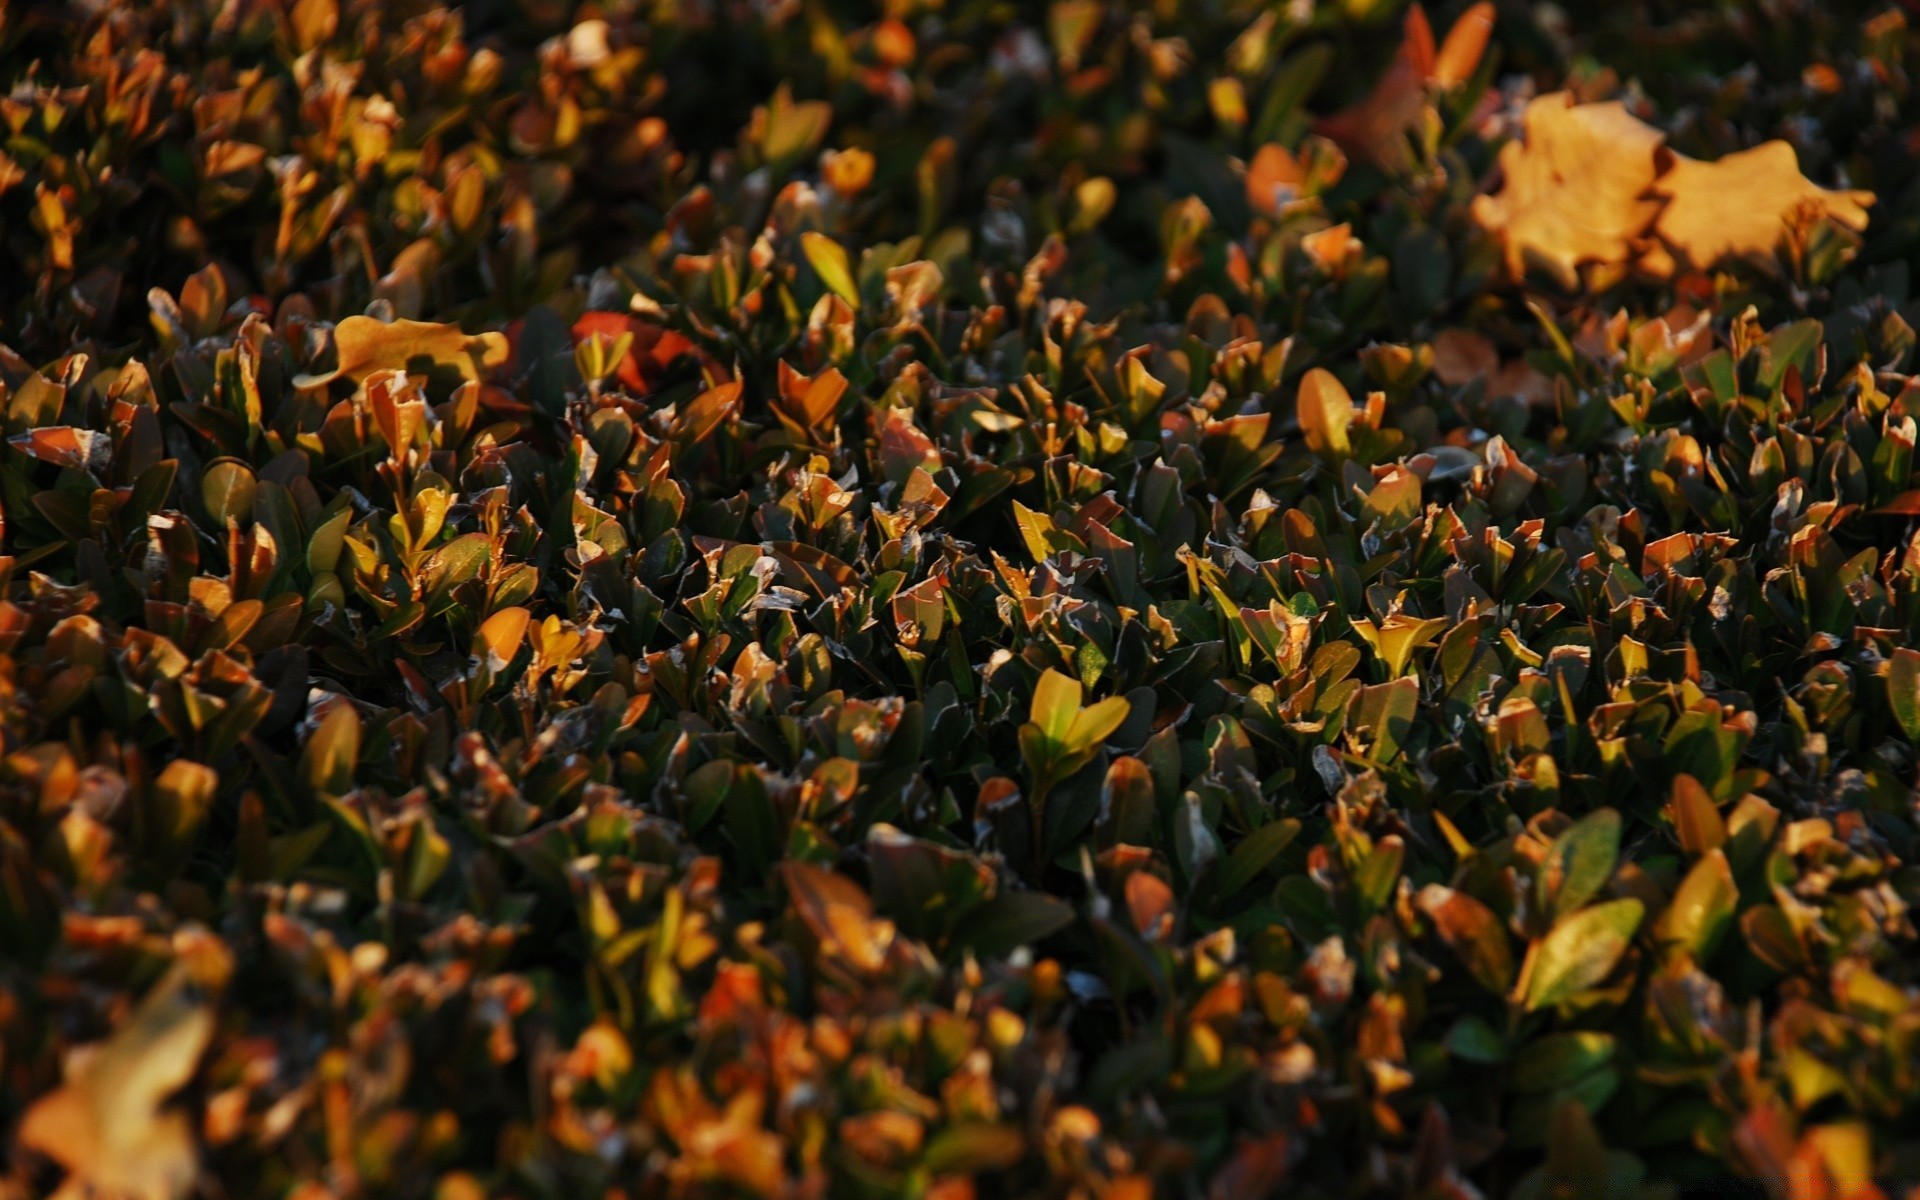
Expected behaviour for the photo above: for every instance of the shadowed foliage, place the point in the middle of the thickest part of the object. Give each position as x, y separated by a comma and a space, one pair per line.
790, 598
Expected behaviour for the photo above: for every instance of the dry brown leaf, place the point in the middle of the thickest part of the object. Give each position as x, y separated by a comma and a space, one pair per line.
1461, 356
1740, 206
105, 1125
1576, 189
1376, 128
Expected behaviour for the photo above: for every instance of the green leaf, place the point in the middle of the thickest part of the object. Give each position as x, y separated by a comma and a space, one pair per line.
1013, 919
1579, 864
1095, 723
1702, 910
227, 491
1903, 690
1579, 952
323, 548
1252, 855
1558, 1060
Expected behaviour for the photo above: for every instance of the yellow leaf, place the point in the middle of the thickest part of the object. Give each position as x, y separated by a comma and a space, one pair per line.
1056, 702
1096, 723
500, 636
105, 1125
830, 263
1576, 189
366, 345
1740, 205
1325, 411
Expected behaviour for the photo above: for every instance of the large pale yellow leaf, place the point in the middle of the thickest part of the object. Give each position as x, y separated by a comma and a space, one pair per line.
105, 1124
1739, 206
1576, 188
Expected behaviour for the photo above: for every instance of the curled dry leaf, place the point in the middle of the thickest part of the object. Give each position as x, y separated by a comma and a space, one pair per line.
1741, 206
1576, 188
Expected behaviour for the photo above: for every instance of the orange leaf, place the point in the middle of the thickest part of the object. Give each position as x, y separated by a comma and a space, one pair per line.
499, 637
654, 348
1741, 205
1376, 128
1576, 188
1149, 903
1273, 178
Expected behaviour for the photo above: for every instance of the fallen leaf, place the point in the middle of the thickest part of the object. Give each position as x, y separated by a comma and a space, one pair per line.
1576, 188
105, 1124
1739, 207
365, 345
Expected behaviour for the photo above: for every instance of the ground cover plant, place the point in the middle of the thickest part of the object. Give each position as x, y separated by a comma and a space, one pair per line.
796, 598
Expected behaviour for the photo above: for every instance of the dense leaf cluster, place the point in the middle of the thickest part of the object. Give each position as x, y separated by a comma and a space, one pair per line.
783, 599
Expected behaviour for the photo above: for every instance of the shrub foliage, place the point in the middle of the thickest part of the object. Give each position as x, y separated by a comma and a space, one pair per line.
778, 598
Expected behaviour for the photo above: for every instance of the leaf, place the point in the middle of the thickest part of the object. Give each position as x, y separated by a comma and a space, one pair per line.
182, 800
793, 130
1013, 919
1575, 188
105, 1124
829, 261
1581, 951
839, 914
1377, 128
1903, 690
1579, 864
1149, 903
227, 490
1387, 712
365, 345
497, 642
1252, 855
1275, 179
974, 1148
1056, 702
66, 446
1696, 819
1473, 933
1738, 207
1702, 910
1095, 723
332, 751
1326, 412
